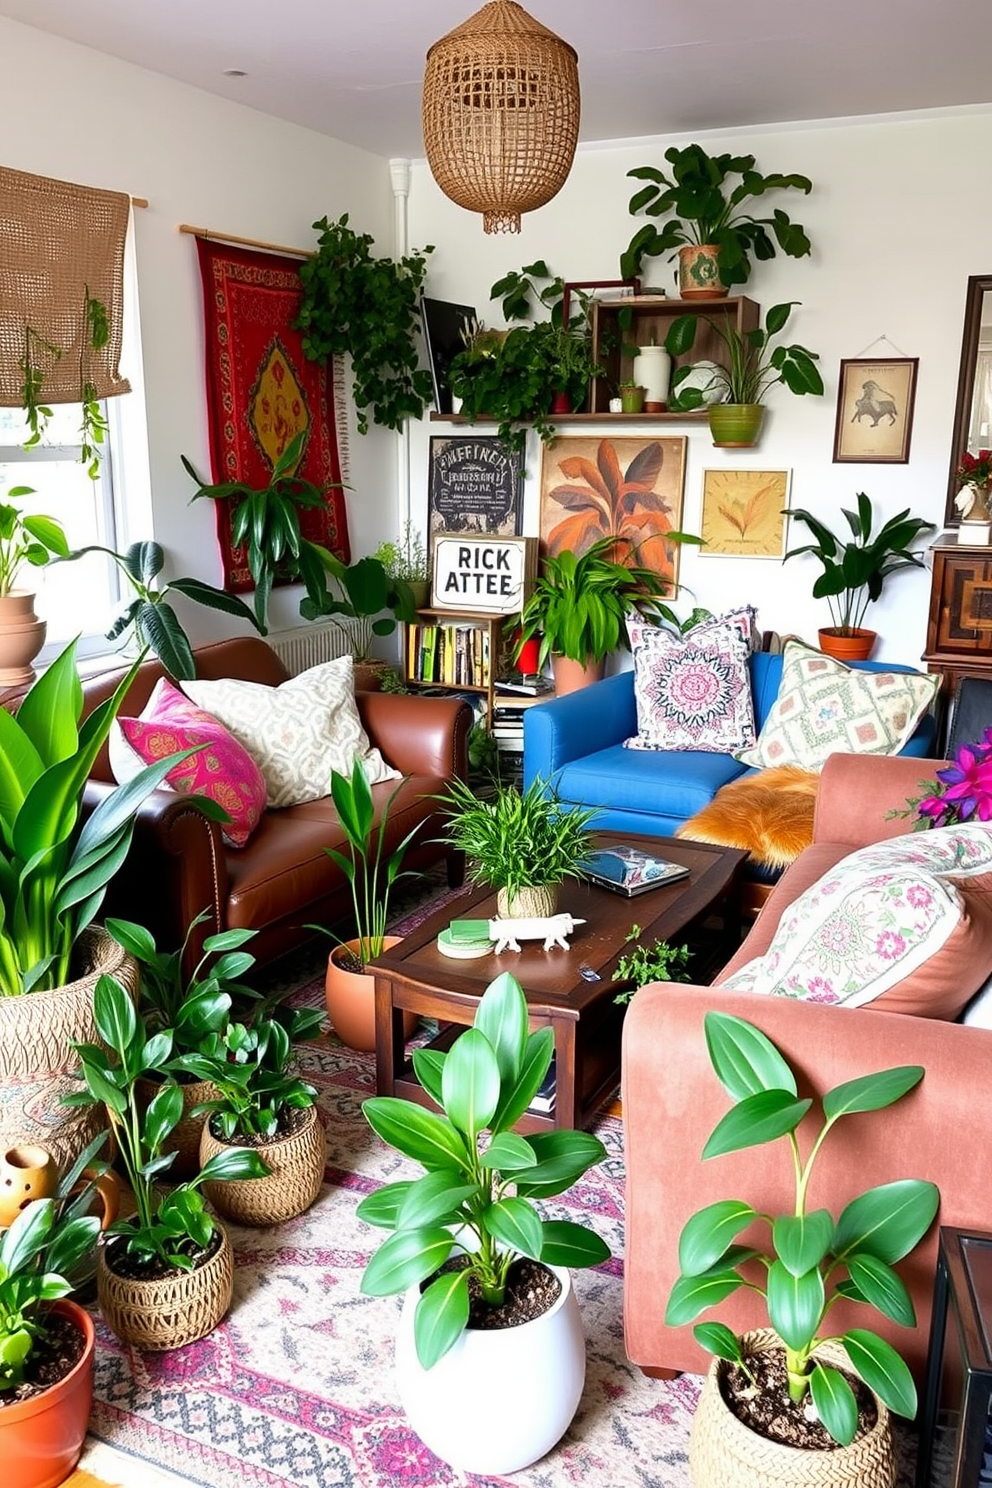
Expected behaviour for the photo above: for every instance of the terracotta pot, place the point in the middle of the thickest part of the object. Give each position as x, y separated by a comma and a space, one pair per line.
536, 902
22, 636
41, 1439
735, 425
26, 1173
350, 998
723, 1451
571, 675
856, 646
37, 1060
170, 1312
184, 1140
699, 272
296, 1171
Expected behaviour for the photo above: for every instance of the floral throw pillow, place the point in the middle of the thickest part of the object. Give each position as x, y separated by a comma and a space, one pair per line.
824, 707
221, 769
693, 691
905, 925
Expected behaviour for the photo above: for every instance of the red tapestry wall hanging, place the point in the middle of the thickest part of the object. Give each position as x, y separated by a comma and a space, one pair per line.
262, 390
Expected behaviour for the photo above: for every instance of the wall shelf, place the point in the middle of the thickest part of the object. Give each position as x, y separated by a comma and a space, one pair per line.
698, 416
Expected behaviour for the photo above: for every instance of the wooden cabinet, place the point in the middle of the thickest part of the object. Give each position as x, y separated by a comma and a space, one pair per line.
959, 630
454, 649
651, 318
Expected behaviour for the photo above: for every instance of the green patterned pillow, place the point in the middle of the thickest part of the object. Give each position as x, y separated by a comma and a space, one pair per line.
824, 707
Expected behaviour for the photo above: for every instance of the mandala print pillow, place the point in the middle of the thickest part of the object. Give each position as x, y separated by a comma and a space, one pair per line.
693, 691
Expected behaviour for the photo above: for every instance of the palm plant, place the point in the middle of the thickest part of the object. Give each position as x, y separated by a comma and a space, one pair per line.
515, 840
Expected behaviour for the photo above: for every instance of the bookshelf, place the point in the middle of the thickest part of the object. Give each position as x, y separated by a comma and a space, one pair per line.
454, 649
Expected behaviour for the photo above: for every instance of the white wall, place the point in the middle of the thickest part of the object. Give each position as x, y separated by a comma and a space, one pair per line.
897, 222
76, 114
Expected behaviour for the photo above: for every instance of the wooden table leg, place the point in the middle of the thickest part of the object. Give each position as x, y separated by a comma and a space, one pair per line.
567, 1112
388, 1037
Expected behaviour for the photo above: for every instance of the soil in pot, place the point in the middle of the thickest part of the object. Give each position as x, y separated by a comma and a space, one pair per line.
295, 1158
771, 1413
531, 1291
53, 1356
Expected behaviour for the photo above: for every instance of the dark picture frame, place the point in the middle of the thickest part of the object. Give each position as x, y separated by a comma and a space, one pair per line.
875, 403
475, 487
443, 326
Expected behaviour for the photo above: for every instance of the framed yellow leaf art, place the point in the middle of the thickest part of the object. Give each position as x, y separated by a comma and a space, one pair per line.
744, 513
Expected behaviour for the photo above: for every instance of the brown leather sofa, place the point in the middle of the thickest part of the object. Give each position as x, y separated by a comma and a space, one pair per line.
179, 863
672, 1101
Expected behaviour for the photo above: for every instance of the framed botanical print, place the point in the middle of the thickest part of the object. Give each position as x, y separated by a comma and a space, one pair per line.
744, 513
875, 402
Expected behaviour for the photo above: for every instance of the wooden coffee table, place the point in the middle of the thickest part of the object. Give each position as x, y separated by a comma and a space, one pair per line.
586, 1021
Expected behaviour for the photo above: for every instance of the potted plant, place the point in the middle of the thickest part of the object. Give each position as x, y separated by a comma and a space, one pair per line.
812, 1260
368, 604
260, 1104
522, 845
467, 1239
165, 1275
406, 561
513, 381
195, 1008
371, 874
974, 479
35, 541
54, 871
370, 308
657, 962
854, 573
751, 370
713, 236
631, 397
579, 607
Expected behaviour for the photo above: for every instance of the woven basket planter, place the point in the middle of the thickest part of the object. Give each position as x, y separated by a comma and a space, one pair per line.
723, 1451
170, 1312
37, 1058
185, 1137
296, 1171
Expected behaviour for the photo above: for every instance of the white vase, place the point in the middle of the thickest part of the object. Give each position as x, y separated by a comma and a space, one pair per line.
654, 373
974, 533
500, 1398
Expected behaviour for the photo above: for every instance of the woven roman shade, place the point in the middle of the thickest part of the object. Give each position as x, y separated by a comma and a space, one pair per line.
501, 114
58, 243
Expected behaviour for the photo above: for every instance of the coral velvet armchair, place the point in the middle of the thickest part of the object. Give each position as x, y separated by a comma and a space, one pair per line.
672, 1100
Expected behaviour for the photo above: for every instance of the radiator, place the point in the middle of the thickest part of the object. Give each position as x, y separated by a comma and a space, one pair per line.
307, 646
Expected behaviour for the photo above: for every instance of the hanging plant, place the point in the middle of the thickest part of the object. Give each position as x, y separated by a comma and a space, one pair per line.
370, 308
33, 379
93, 428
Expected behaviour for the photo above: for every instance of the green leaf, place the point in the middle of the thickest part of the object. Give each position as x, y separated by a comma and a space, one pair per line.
233, 1163
383, 1207
428, 1066
835, 1402
417, 1133
470, 1083
745, 1061
433, 1199
802, 1240
517, 1225
116, 1021
706, 1236
562, 1158
502, 1018
26, 1236
881, 1287
515, 1099
871, 1092
887, 1221
404, 1259
718, 1339
691, 1295
441, 1316
162, 1116
882, 1369
795, 1304
568, 1244
756, 1119
509, 1153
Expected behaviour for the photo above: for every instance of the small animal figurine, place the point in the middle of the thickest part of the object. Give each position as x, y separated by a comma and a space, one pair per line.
552, 929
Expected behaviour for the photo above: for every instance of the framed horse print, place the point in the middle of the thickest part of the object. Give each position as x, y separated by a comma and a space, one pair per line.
875, 411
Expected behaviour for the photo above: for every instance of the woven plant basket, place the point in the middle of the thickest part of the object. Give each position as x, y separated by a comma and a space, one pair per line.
185, 1137
173, 1311
724, 1453
296, 1171
501, 114
536, 902
37, 1059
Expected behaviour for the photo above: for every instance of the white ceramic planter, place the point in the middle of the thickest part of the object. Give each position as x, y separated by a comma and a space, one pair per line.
654, 371
500, 1398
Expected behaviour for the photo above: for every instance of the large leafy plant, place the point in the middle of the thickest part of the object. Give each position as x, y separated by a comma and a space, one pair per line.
370, 308
813, 1260
475, 1194
703, 206
26, 538
369, 601
169, 1229
54, 866
752, 367
854, 573
515, 840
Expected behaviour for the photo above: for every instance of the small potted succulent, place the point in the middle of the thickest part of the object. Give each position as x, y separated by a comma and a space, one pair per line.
490, 1352
812, 1260
165, 1275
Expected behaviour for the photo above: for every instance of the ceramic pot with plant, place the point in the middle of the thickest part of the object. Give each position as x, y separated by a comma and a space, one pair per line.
522, 844
406, 561
165, 1275
32, 541
974, 482
854, 573
631, 397
831, 1428
259, 1103
54, 870
195, 1007
750, 371
489, 1380
371, 874
715, 239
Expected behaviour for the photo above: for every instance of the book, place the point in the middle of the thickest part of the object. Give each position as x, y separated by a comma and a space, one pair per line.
631, 870
529, 688
544, 1100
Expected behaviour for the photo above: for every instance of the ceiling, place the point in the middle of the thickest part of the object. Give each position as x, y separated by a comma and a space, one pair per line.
646, 66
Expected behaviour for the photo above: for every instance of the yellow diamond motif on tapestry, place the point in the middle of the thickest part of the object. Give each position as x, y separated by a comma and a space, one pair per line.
278, 408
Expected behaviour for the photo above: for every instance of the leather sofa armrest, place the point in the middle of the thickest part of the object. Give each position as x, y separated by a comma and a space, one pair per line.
857, 791
418, 735
578, 724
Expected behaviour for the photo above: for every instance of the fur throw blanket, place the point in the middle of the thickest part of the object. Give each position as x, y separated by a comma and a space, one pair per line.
770, 814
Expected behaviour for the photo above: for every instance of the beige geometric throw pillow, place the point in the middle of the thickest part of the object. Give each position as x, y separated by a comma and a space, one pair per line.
824, 707
296, 733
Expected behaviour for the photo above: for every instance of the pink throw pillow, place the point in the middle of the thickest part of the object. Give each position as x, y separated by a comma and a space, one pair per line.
223, 770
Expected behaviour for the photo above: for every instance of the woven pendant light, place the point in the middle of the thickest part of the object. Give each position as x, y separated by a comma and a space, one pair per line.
501, 114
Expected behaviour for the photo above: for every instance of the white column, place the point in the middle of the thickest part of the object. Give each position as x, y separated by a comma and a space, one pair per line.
400, 172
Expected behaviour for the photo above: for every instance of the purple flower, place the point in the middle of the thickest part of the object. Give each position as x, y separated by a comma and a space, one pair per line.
967, 786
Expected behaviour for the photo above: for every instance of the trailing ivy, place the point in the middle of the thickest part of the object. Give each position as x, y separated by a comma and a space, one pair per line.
33, 379
93, 427
370, 308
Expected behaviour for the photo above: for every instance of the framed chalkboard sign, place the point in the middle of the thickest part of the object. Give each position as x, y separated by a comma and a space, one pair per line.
475, 487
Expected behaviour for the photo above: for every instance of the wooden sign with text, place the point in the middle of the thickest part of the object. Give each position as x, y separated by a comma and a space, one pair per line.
490, 574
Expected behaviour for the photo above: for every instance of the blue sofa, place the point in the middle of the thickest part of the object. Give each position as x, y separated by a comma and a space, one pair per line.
576, 743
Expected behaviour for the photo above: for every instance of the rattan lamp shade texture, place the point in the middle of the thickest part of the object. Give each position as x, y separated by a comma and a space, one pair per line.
501, 114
